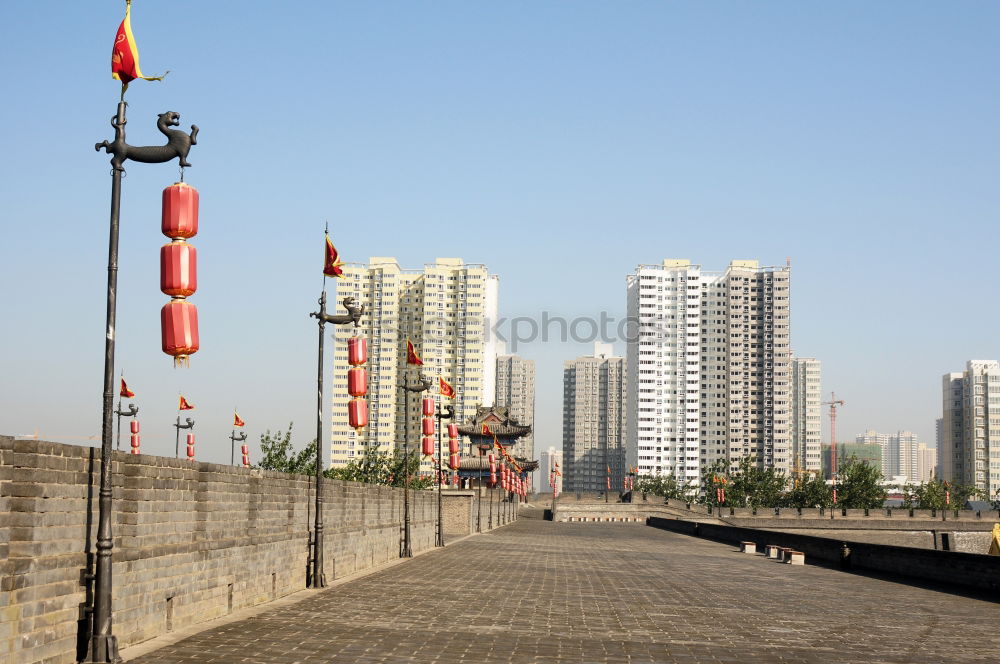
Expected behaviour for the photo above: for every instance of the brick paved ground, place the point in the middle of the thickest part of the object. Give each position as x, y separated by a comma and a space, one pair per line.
545, 592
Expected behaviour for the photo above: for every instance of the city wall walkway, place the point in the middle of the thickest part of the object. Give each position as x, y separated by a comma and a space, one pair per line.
544, 592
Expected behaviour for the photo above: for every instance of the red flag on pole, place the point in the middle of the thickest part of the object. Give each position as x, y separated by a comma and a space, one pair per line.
446, 389
184, 405
125, 54
125, 392
411, 354
237, 420
332, 262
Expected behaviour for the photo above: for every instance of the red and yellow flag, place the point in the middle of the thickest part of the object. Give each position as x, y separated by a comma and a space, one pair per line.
183, 404
125, 392
125, 54
446, 389
237, 420
411, 354
487, 432
332, 262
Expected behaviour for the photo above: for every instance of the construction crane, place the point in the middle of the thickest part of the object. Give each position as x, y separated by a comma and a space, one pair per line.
833, 403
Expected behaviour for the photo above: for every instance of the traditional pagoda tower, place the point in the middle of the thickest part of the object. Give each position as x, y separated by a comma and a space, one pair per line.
474, 464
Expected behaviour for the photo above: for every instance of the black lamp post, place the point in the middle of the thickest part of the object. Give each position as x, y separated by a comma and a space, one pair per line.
132, 411
233, 438
447, 412
103, 646
177, 439
422, 385
315, 577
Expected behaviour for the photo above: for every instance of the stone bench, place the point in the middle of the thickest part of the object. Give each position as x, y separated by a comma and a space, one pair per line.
748, 547
795, 557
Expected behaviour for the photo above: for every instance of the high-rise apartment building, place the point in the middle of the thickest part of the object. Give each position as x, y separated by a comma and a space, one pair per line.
446, 310
926, 463
593, 422
807, 425
551, 461
900, 455
969, 451
515, 388
708, 367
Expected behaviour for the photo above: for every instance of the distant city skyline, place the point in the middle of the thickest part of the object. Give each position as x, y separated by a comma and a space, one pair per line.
855, 138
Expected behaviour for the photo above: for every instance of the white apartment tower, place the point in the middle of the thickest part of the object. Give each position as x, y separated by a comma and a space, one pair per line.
900, 452
708, 367
969, 446
515, 388
593, 422
551, 460
806, 416
446, 310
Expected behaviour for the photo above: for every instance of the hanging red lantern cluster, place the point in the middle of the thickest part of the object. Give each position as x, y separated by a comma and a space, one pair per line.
190, 446
427, 427
493, 470
179, 273
134, 428
357, 383
245, 450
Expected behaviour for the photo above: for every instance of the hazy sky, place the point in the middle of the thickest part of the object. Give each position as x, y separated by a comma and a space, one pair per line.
561, 143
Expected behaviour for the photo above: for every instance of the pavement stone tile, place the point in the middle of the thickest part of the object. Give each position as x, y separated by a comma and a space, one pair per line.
537, 592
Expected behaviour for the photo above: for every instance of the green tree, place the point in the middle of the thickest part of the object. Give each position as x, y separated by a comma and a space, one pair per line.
935, 494
376, 467
813, 492
277, 453
752, 486
665, 486
859, 485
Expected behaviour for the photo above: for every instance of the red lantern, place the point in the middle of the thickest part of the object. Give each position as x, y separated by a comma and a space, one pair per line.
427, 446
357, 413
428, 426
428, 406
493, 465
456, 480
357, 351
357, 382
244, 449
453, 431
134, 426
134, 440
190, 446
179, 330
453, 461
180, 211
178, 269
453, 446
493, 479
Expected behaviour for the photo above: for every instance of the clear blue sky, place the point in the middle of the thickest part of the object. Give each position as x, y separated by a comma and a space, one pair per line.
561, 143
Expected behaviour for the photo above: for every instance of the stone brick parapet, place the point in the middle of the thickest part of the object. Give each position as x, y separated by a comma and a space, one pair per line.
192, 541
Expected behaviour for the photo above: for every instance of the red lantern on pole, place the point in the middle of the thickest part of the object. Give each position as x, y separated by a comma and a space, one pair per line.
134, 440
493, 464
427, 426
427, 446
357, 413
453, 462
178, 269
179, 219
428, 407
134, 426
245, 450
179, 330
453, 446
493, 479
453, 431
190, 446
179, 272
357, 351
357, 381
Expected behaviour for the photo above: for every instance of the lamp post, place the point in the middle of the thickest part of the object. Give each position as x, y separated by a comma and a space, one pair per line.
446, 412
315, 577
103, 645
422, 385
177, 439
132, 411
232, 449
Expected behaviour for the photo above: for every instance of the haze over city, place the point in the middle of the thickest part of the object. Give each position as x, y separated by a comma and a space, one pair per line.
560, 144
